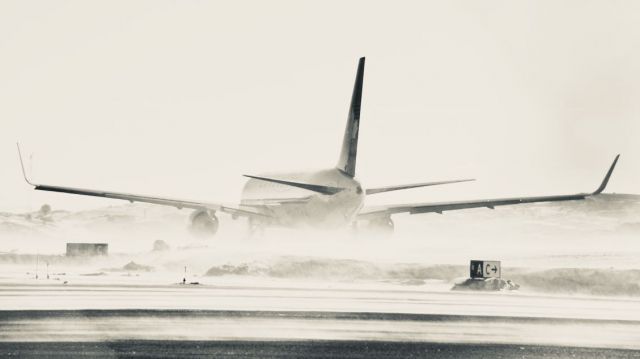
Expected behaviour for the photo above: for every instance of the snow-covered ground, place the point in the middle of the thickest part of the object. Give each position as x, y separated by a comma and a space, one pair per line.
599, 236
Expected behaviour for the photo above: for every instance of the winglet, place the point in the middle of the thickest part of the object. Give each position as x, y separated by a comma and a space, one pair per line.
603, 185
24, 173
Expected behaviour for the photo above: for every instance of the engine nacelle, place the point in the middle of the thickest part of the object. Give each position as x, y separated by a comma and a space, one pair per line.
204, 223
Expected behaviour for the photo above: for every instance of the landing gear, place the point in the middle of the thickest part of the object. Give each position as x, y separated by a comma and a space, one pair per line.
381, 227
255, 228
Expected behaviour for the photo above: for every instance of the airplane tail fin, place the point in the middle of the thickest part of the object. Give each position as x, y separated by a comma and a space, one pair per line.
347, 160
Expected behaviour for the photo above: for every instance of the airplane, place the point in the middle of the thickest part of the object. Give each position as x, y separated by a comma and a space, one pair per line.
329, 198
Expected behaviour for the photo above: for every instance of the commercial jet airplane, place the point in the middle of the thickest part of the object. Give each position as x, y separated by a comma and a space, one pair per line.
329, 198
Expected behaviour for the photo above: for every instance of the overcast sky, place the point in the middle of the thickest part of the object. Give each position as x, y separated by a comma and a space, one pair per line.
179, 98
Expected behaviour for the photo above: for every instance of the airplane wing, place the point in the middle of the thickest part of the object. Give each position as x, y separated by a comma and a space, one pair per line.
440, 207
172, 202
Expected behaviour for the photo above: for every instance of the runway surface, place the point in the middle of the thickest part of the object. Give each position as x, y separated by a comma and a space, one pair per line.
293, 319
299, 349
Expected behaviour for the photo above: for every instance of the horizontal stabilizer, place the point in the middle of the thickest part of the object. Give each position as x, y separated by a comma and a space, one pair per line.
266, 202
311, 187
413, 185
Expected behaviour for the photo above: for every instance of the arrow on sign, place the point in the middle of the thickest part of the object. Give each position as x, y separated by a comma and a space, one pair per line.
494, 269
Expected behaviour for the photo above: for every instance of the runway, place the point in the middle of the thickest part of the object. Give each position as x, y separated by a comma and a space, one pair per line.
289, 319
299, 349
169, 333
198, 325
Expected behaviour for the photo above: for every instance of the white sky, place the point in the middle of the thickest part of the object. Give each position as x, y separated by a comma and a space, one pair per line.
180, 98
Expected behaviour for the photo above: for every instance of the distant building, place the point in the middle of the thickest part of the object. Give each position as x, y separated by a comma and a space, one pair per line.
87, 249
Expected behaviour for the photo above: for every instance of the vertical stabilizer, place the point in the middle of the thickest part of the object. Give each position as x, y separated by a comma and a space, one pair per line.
347, 160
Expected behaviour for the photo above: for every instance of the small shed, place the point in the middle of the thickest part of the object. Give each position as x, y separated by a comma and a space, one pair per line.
87, 249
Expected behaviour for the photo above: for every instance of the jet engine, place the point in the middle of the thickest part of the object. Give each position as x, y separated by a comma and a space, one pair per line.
204, 222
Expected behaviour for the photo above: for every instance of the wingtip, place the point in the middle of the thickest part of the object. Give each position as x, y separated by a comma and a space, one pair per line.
605, 181
24, 173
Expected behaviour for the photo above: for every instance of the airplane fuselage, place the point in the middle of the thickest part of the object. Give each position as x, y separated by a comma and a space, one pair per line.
290, 206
